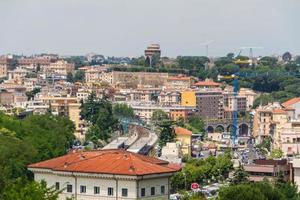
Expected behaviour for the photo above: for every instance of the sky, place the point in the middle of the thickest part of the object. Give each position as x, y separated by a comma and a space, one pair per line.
126, 27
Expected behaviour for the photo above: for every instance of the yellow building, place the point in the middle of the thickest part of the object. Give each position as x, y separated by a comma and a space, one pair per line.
184, 138
188, 98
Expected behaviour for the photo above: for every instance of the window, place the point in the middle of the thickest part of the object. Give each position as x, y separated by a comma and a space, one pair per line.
57, 185
69, 188
143, 192
82, 189
162, 189
110, 191
152, 191
96, 190
124, 192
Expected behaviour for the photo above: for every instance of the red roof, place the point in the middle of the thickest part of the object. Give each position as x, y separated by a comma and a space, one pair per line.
291, 102
279, 111
206, 83
106, 162
182, 131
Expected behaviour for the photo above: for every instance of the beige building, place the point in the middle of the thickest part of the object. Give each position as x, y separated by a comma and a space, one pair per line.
262, 121
250, 96
61, 67
179, 82
106, 175
4, 63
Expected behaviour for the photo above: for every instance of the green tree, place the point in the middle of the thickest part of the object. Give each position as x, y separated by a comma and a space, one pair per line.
70, 77
240, 175
79, 76
241, 191
195, 124
99, 113
276, 153
159, 116
167, 133
25, 190
123, 110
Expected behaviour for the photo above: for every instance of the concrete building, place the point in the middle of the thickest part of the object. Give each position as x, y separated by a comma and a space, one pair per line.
293, 103
262, 121
250, 96
179, 82
169, 98
107, 175
60, 67
210, 104
184, 138
269, 169
4, 65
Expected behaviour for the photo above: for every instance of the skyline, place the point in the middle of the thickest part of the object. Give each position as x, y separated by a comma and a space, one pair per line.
126, 28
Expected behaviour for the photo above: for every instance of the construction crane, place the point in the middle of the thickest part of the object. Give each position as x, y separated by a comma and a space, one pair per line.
235, 77
250, 61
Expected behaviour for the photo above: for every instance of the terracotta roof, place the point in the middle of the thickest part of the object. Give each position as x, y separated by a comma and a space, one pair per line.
291, 102
182, 131
206, 83
106, 162
279, 111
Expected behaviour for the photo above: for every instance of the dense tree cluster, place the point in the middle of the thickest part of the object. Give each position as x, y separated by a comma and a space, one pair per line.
202, 171
33, 139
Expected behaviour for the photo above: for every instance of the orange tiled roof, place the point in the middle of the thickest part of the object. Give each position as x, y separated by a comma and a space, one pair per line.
279, 111
106, 162
206, 83
291, 102
182, 131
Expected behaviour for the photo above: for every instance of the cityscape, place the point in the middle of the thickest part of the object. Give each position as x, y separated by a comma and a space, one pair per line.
222, 122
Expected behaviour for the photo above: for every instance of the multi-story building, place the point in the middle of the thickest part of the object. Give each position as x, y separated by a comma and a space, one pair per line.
269, 169
169, 98
11, 94
294, 104
96, 74
4, 66
210, 104
184, 138
250, 96
34, 63
262, 121
17, 75
179, 82
60, 67
106, 174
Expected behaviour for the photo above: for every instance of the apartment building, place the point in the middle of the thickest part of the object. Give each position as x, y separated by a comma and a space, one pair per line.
106, 174
179, 82
210, 104
60, 67
262, 121
4, 65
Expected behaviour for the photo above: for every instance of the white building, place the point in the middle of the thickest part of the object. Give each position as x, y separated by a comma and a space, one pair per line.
106, 175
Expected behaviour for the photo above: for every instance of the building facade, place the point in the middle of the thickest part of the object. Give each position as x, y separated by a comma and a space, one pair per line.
106, 175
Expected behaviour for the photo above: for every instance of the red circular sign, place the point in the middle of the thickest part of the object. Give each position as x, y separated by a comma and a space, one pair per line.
195, 186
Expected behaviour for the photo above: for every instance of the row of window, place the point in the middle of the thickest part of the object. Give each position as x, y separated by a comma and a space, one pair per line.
110, 190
